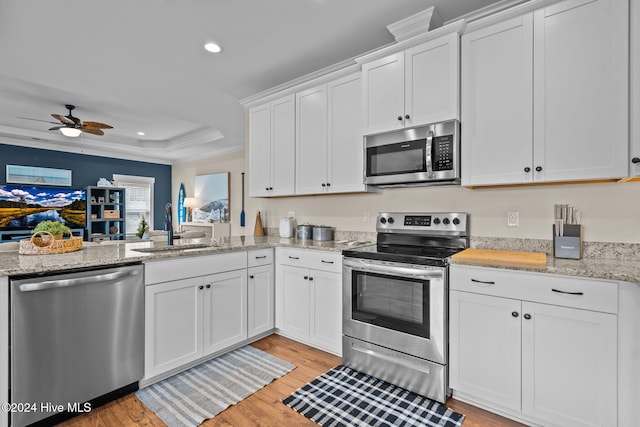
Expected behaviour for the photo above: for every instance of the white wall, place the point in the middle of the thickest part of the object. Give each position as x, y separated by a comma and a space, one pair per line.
611, 211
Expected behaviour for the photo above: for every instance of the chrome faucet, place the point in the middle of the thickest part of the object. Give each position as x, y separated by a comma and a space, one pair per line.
168, 223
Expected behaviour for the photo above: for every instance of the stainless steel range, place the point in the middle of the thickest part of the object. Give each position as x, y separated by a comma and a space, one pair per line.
395, 299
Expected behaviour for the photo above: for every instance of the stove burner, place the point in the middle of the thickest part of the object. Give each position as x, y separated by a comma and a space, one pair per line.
415, 239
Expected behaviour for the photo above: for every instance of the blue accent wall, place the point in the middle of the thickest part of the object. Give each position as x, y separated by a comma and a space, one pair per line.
86, 170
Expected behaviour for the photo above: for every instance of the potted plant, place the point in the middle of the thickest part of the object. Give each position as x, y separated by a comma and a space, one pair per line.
55, 228
143, 227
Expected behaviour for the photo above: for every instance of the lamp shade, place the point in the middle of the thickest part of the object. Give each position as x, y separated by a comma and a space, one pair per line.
70, 132
190, 202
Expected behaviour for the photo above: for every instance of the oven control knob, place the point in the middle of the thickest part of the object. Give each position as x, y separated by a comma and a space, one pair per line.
445, 221
436, 221
390, 220
456, 221
383, 220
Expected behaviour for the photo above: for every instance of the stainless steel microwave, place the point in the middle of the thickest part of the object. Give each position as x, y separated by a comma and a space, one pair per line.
425, 155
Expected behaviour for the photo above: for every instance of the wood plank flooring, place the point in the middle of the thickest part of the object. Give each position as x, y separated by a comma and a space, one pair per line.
263, 408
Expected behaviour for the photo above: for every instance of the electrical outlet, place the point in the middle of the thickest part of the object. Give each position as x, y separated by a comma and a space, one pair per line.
291, 214
366, 216
513, 219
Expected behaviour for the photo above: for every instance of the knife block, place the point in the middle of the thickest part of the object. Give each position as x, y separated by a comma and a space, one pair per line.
570, 245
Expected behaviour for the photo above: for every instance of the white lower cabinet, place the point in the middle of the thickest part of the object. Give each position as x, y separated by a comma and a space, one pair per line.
536, 347
173, 325
225, 310
261, 292
187, 319
309, 297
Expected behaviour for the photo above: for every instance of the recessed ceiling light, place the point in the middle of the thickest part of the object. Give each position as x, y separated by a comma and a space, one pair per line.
141, 133
212, 47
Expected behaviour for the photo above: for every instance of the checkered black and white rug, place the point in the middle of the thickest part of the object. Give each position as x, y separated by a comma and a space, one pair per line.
344, 397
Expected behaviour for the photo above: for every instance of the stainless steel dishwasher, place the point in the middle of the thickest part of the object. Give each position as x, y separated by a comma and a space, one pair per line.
74, 337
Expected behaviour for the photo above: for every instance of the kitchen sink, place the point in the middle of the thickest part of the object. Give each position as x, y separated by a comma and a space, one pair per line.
175, 248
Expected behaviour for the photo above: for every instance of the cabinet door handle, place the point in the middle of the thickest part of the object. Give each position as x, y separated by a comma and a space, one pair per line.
326, 262
208, 286
251, 276
514, 314
266, 188
635, 160
538, 168
200, 287
527, 316
306, 277
566, 292
324, 185
310, 278
400, 118
293, 257
328, 184
527, 169
407, 117
260, 257
483, 282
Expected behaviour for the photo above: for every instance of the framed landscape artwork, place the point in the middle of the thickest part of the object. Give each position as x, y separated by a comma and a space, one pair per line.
212, 195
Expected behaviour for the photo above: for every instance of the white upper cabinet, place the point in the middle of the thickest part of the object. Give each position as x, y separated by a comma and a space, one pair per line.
544, 96
581, 90
497, 103
634, 113
411, 88
311, 140
329, 148
272, 148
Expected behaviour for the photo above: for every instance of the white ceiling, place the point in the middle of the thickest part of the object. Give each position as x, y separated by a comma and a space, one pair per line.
140, 66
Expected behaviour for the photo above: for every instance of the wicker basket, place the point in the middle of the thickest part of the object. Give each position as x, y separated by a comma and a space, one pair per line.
43, 242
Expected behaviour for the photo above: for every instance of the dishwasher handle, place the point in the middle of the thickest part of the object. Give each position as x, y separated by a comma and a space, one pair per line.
66, 283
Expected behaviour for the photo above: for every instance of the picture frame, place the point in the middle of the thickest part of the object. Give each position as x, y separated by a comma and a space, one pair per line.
212, 195
17, 174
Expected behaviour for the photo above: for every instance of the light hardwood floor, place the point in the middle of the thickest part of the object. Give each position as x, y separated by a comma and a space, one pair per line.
263, 408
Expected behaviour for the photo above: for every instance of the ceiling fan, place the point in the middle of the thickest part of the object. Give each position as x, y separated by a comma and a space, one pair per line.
72, 126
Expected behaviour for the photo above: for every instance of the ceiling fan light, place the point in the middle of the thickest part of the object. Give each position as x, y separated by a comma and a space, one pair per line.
70, 132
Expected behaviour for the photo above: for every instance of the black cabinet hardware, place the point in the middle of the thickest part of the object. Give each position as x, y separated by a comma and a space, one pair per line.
527, 316
514, 314
566, 292
483, 282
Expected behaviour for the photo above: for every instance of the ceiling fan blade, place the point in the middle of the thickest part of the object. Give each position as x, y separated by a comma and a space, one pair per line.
37, 120
63, 119
96, 125
57, 127
92, 131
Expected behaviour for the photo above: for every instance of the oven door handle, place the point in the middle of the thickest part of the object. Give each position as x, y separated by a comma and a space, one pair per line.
368, 267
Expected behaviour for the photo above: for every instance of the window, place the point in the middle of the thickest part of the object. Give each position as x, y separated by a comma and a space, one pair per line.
139, 195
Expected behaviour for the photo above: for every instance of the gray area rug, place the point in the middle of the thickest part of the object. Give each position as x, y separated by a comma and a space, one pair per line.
202, 392
345, 397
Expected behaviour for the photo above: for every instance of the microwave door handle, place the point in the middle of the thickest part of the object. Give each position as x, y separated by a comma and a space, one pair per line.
428, 153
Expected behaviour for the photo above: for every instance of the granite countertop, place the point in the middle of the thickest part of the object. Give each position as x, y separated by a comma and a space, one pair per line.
609, 261
94, 255
595, 268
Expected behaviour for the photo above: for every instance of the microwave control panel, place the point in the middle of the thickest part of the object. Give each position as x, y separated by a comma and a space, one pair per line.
442, 155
